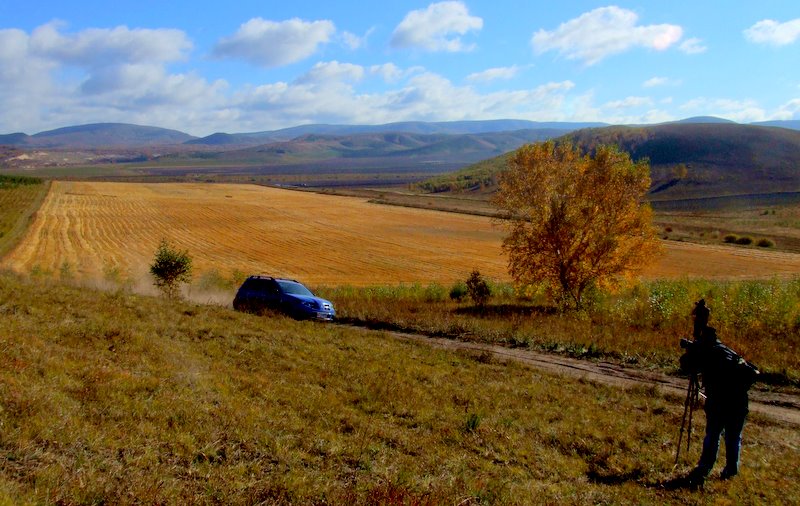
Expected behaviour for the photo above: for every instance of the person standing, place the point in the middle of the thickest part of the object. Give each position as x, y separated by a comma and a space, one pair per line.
726, 379
700, 315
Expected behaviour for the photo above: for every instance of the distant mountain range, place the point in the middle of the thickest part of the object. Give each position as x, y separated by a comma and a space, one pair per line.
121, 135
689, 159
381, 149
410, 127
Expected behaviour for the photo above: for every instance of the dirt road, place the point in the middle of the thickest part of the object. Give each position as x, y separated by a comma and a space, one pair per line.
779, 407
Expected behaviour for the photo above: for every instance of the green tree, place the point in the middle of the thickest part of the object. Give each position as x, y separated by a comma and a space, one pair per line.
170, 268
575, 221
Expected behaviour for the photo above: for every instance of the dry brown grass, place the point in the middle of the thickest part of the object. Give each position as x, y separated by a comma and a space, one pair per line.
90, 229
114, 398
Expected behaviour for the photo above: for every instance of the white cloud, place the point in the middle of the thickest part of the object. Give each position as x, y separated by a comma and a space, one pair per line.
423, 96
53, 79
49, 88
391, 73
436, 28
272, 44
432, 97
774, 33
26, 85
654, 82
353, 41
789, 110
629, 102
20, 66
602, 32
742, 111
619, 112
654, 116
100, 46
693, 46
494, 74
328, 72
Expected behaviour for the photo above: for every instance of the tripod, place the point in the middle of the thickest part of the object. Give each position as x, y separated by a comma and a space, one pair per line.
692, 395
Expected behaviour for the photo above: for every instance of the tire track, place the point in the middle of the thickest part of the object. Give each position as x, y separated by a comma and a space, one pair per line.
782, 408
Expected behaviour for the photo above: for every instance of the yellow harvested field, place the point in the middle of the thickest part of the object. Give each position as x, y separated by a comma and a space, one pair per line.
94, 228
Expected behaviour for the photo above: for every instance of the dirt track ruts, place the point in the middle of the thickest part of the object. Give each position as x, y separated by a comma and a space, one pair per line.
780, 407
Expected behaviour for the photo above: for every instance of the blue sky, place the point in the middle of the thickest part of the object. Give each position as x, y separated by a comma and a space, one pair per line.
246, 66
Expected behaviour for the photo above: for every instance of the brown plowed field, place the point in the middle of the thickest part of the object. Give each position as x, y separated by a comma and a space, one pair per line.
93, 228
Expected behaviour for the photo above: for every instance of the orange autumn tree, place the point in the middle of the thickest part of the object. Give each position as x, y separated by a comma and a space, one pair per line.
576, 221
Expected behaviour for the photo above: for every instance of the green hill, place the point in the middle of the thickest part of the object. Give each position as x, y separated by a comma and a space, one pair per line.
718, 158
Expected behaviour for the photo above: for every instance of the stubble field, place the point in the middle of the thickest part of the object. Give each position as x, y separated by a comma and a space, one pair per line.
90, 229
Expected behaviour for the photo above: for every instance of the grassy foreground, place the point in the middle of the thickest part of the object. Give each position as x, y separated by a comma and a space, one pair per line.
118, 398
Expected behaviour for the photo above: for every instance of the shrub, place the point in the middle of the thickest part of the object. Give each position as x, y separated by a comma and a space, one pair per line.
730, 238
744, 240
434, 292
170, 268
478, 289
765, 243
458, 291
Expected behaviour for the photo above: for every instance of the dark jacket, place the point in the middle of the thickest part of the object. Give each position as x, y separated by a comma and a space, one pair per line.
726, 377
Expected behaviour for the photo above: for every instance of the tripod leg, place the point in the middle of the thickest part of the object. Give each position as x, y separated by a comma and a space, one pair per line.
686, 409
693, 386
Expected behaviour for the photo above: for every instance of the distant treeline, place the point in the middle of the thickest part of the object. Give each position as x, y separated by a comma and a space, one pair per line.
14, 181
472, 178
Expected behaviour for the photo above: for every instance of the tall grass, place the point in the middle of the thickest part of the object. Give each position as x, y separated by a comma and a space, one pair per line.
642, 324
113, 398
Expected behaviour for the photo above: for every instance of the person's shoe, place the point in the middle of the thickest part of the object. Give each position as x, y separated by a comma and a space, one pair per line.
696, 478
727, 474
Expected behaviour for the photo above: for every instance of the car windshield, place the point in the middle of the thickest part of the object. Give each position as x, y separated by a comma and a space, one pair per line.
294, 288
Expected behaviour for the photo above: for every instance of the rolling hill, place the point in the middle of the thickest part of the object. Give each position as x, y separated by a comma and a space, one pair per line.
720, 159
390, 147
98, 135
408, 127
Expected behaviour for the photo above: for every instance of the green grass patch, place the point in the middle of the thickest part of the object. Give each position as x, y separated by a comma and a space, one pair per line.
113, 398
20, 197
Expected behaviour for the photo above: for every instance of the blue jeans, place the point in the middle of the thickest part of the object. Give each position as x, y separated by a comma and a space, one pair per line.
728, 417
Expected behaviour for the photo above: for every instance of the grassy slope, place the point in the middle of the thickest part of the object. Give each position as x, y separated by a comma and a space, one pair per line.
118, 398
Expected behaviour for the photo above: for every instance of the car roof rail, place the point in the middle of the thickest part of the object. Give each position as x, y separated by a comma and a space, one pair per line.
263, 276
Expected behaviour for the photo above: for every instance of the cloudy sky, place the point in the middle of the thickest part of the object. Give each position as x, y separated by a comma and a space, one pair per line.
246, 66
